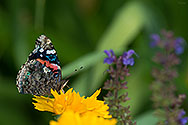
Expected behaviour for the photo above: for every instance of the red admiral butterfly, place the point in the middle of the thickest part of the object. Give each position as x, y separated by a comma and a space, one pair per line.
42, 70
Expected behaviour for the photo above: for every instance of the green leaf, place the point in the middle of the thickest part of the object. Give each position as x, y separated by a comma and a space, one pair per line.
85, 62
81, 84
138, 87
120, 33
126, 25
146, 119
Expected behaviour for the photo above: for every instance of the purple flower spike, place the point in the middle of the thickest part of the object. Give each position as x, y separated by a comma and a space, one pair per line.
127, 60
182, 120
111, 57
155, 40
155, 37
179, 45
182, 113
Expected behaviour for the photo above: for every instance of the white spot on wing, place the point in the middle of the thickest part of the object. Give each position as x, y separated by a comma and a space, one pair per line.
36, 49
41, 50
48, 41
50, 51
41, 55
46, 70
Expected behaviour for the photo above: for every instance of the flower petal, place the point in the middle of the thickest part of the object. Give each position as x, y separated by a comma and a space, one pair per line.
130, 53
43, 103
155, 37
73, 118
108, 60
72, 101
108, 53
129, 61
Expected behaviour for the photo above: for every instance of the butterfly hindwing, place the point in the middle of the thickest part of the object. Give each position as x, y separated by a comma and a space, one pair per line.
42, 70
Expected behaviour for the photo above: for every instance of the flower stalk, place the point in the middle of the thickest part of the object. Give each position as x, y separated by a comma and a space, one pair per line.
118, 71
166, 103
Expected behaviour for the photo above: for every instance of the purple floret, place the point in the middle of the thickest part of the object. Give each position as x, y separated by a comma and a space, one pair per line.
127, 58
111, 56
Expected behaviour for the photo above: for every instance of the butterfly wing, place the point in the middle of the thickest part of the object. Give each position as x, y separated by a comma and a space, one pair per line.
42, 70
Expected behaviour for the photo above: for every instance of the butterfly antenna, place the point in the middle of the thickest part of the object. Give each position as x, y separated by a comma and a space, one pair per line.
76, 70
65, 81
68, 86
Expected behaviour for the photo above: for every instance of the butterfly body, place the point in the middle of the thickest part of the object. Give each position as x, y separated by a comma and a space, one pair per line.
42, 70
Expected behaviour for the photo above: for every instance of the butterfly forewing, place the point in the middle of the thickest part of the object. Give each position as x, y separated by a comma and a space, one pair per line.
42, 70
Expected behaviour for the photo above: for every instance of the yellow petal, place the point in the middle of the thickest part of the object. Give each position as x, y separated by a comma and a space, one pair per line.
96, 106
96, 94
70, 117
43, 103
54, 93
72, 101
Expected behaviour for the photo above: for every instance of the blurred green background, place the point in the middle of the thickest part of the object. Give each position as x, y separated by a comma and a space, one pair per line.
80, 30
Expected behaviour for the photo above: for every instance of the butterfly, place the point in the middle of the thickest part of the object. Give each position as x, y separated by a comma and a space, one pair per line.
42, 71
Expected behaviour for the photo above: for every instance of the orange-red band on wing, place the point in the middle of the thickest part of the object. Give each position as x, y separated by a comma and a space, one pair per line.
49, 65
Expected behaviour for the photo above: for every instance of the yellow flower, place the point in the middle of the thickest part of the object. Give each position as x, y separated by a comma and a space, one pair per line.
96, 106
72, 101
70, 117
44, 104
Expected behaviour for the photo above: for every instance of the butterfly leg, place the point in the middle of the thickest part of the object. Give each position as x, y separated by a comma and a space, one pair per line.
63, 85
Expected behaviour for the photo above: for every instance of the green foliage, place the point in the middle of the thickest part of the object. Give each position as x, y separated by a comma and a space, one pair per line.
147, 118
80, 31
